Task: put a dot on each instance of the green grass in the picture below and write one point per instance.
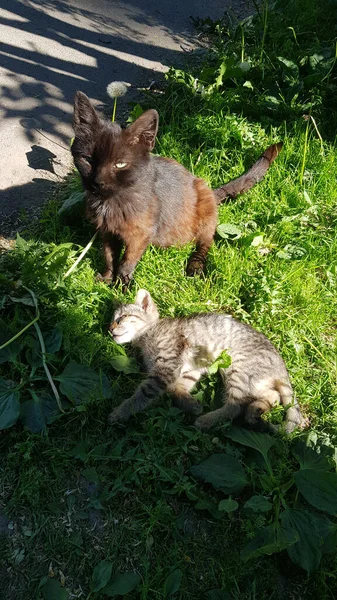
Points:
(82, 491)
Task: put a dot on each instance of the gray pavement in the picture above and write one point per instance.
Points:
(51, 48)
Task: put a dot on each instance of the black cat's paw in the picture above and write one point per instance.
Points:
(195, 266)
(106, 277)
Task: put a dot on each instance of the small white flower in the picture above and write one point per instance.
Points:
(115, 89)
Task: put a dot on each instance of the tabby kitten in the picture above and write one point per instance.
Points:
(136, 199)
(178, 351)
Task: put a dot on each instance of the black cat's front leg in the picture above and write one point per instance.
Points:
(143, 397)
(135, 248)
(112, 246)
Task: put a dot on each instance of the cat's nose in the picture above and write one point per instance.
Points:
(112, 326)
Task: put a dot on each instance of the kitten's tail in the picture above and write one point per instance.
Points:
(248, 180)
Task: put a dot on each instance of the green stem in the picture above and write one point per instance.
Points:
(15, 337)
(43, 350)
(114, 110)
(265, 23)
(83, 253)
(305, 149)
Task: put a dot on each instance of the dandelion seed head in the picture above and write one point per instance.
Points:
(115, 89)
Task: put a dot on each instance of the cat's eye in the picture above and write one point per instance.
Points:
(120, 165)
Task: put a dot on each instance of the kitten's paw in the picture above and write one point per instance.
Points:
(118, 416)
(291, 425)
(203, 423)
(195, 267)
(105, 277)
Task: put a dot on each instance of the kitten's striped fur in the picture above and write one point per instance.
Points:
(178, 351)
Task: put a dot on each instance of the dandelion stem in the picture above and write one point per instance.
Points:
(114, 110)
(83, 253)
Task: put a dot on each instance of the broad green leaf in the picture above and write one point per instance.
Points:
(319, 488)
(101, 575)
(36, 413)
(269, 540)
(310, 458)
(10, 352)
(223, 471)
(79, 383)
(327, 531)
(9, 404)
(228, 505)
(52, 590)
(121, 584)
(124, 364)
(306, 552)
(261, 442)
(258, 504)
(53, 340)
(226, 230)
(257, 240)
(74, 198)
(172, 583)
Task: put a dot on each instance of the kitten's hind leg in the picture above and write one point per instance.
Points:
(205, 224)
(294, 417)
(230, 411)
(181, 393)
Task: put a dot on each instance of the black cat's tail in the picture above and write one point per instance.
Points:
(248, 180)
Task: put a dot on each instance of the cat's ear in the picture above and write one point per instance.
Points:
(144, 129)
(144, 300)
(84, 113)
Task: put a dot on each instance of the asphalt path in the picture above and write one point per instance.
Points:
(51, 48)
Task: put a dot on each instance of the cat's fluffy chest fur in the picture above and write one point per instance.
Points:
(163, 220)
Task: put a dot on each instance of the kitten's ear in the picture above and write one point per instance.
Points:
(144, 129)
(144, 300)
(84, 113)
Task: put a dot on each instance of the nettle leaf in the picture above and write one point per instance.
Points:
(306, 552)
(79, 451)
(9, 404)
(226, 230)
(21, 244)
(124, 364)
(91, 475)
(229, 505)
(222, 362)
(36, 413)
(319, 488)
(261, 442)
(79, 383)
(269, 540)
(258, 504)
(52, 590)
(223, 471)
(74, 198)
(172, 583)
(310, 458)
(289, 64)
(121, 584)
(27, 300)
(101, 575)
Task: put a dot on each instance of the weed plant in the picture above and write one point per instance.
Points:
(91, 511)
